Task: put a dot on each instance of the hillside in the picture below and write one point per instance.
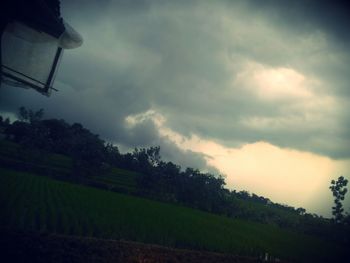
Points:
(238, 205)
(37, 203)
(61, 179)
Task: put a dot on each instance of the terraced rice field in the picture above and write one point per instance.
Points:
(38, 203)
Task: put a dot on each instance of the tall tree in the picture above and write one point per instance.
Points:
(30, 115)
(339, 190)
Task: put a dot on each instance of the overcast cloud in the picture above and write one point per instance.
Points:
(229, 72)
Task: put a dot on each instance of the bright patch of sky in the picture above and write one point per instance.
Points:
(293, 177)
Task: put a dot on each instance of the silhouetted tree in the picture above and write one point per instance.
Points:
(339, 190)
(301, 211)
(112, 155)
(4, 124)
(243, 195)
(30, 115)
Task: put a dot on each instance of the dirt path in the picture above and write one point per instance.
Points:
(25, 247)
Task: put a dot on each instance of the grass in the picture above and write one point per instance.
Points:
(119, 178)
(38, 203)
(15, 155)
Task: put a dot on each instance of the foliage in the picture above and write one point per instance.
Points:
(4, 122)
(339, 190)
(42, 136)
(30, 115)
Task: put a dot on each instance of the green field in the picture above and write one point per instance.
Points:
(38, 203)
(121, 179)
(14, 155)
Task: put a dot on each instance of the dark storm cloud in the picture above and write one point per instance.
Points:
(330, 15)
(185, 60)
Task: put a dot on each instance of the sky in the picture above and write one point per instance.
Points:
(257, 91)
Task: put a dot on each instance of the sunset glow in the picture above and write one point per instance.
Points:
(288, 176)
